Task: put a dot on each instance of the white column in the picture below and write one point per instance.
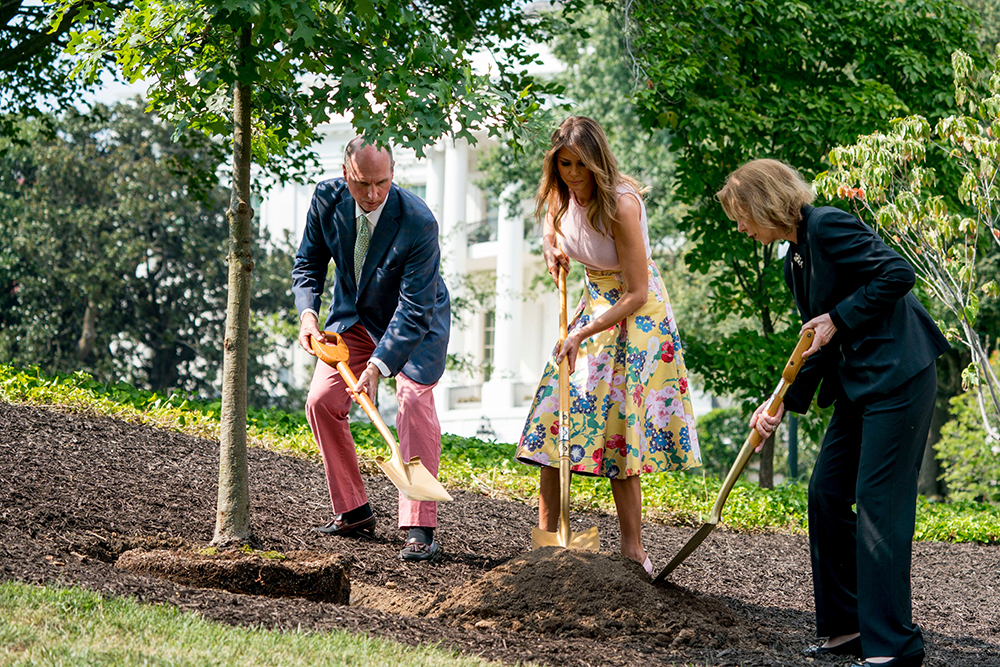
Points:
(435, 180)
(499, 391)
(456, 179)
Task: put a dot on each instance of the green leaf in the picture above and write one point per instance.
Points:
(972, 309)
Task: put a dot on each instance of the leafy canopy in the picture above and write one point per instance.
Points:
(34, 74)
(404, 71)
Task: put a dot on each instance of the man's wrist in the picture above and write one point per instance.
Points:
(380, 365)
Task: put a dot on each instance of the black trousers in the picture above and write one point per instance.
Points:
(870, 457)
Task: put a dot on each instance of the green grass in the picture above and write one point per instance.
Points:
(475, 465)
(62, 627)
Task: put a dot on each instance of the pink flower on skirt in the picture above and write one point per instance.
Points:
(637, 395)
(618, 388)
(541, 457)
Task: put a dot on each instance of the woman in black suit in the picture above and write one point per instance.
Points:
(874, 351)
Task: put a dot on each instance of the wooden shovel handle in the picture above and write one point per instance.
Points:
(564, 462)
(795, 362)
(788, 375)
(563, 309)
(337, 360)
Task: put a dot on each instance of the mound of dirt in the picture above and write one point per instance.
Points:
(314, 576)
(602, 596)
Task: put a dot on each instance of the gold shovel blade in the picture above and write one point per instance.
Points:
(412, 479)
(691, 545)
(588, 540)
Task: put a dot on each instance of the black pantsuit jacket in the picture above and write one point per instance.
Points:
(884, 336)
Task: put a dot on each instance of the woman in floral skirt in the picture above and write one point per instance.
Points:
(630, 404)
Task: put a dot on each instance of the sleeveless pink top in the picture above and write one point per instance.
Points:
(589, 247)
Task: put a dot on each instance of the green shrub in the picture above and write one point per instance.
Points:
(969, 461)
(721, 433)
(964, 521)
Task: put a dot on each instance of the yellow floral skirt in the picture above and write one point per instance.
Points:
(630, 406)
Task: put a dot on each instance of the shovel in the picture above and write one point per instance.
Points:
(412, 479)
(588, 539)
(787, 378)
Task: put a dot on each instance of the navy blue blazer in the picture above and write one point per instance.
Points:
(401, 298)
(884, 336)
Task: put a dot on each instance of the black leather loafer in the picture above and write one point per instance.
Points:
(343, 528)
(416, 551)
(851, 647)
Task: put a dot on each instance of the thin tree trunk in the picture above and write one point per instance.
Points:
(766, 477)
(85, 345)
(232, 523)
(766, 480)
(988, 380)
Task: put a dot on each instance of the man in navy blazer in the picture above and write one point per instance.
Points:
(392, 308)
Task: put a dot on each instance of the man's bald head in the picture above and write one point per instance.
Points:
(368, 172)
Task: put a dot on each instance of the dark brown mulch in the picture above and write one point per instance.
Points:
(76, 491)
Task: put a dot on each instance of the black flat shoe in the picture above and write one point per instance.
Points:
(915, 660)
(343, 528)
(852, 647)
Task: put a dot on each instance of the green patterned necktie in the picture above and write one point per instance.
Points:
(360, 247)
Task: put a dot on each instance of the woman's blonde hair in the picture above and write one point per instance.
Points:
(584, 137)
(769, 192)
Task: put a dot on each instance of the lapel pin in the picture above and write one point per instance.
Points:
(797, 258)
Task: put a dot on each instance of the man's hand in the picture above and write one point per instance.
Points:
(367, 383)
(824, 328)
(309, 327)
(765, 423)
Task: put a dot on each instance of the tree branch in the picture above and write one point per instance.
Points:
(42, 40)
(8, 10)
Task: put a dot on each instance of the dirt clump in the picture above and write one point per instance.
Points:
(314, 576)
(602, 596)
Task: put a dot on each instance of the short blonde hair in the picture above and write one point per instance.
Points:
(769, 192)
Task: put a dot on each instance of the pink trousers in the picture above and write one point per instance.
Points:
(417, 424)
